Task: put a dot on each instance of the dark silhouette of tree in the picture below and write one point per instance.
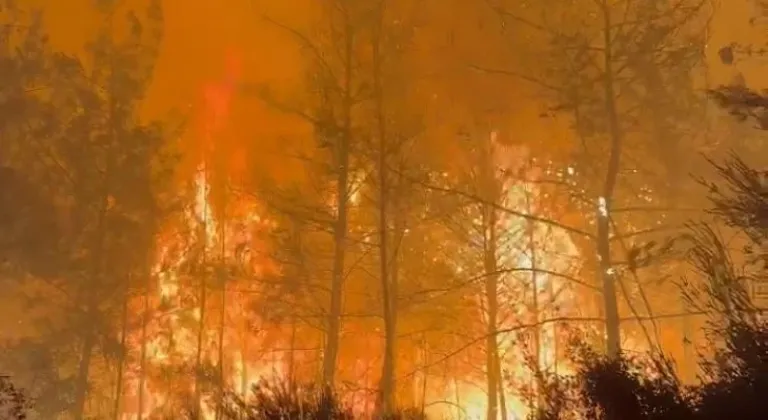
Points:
(28, 227)
(743, 103)
(79, 197)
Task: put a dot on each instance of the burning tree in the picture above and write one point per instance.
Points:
(621, 72)
(734, 376)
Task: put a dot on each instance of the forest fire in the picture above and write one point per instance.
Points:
(200, 317)
(197, 319)
(171, 335)
(530, 292)
(354, 200)
(173, 338)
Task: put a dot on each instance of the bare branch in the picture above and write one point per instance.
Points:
(512, 73)
(496, 206)
(307, 43)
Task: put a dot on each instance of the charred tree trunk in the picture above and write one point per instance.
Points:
(539, 380)
(223, 312)
(342, 156)
(199, 347)
(386, 388)
(689, 355)
(492, 309)
(121, 358)
(90, 331)
(222, 324)
(83, 370)
(244, 360)
(424, 376)
(202, 303)
(607, 273)
(292, 354)
(387, 385)
(143, 357)
(390, 349)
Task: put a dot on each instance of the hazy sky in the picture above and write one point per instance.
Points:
(199, 34)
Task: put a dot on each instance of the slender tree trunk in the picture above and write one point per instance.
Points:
(387, 386)
(334, 324)
(244, 361)
(535, 307)
(143, 360)
(689, 361)
(502, 394)
(92, 313)
(386, 397)
(292, 354)
(424, 376)
(492, 308)
(202, 303)
(199, 348)
(121, 360)
(222, 313)
(607, 274)
(222, 324)
(83, 371)
(457, 395)
(390, 344)
(555, 344)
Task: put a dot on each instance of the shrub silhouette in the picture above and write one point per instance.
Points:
(282, 400)
(734, 383)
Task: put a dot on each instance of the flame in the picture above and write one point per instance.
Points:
(554, 252)
(199, 239)
(231, 235)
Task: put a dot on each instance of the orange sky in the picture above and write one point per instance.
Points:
(198, 32)
(198, 35)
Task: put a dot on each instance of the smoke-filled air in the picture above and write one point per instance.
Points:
(383, 209)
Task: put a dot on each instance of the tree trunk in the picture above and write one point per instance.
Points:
(203, 297)
(222, 324)
(502, 394)
(90, 300)
(333, 334)
(689, 355)
(199, 352)
(121, 359)
(386, 389)
(539, 397)
(424, 376)
(331, 350)
(387, 385)
(292, 354)
(492, 308)
(389, 368)
(244, 361)
(607, 274)
(143, 361)
(83, 371)
(222, 313)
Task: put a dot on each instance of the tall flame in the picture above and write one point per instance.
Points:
(230, 237)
